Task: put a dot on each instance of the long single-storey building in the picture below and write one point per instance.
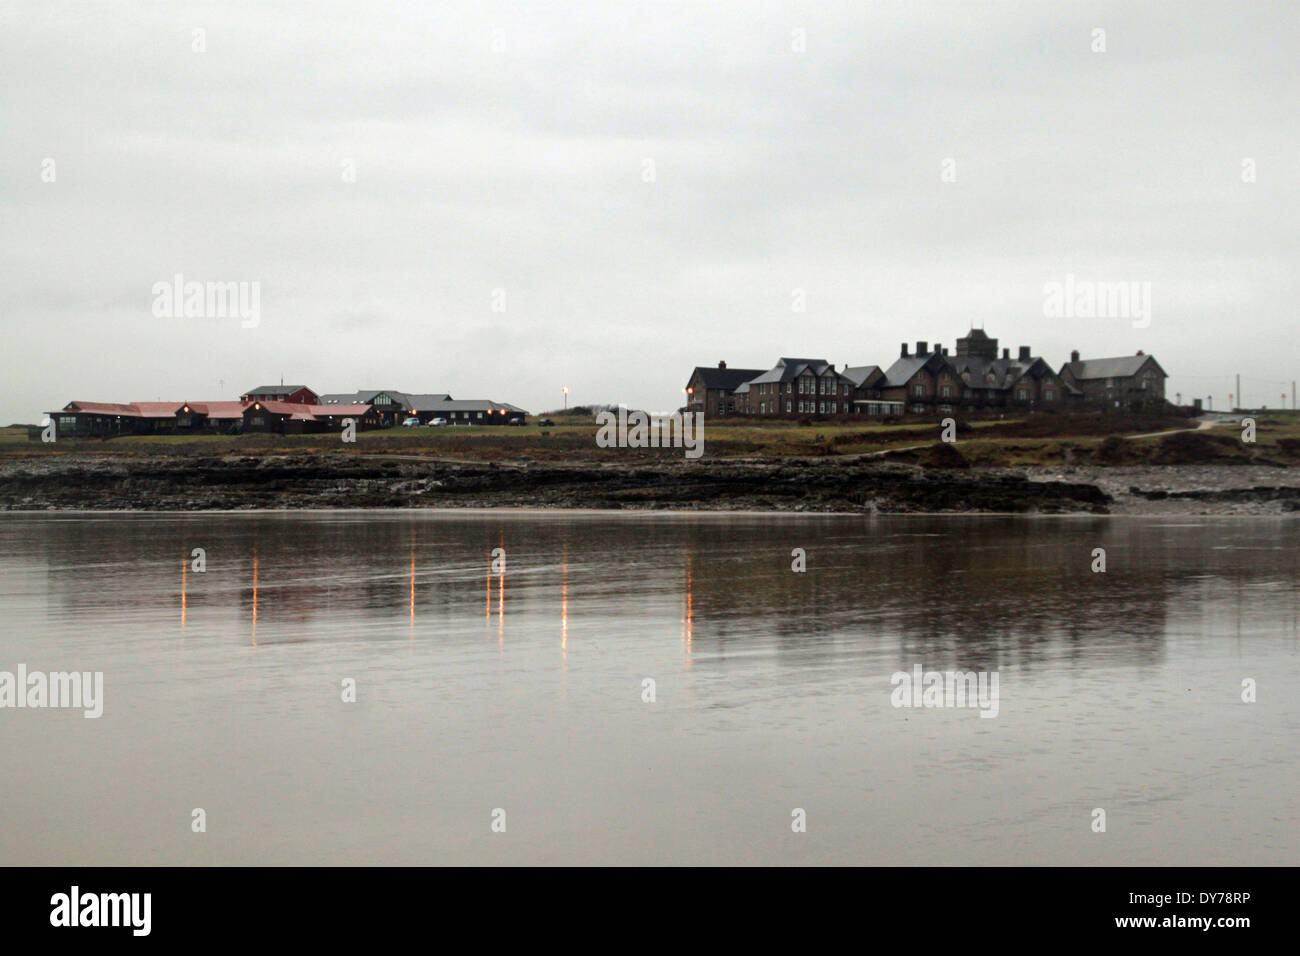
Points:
(284, 409)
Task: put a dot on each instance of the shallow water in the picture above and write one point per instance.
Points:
(521, 689)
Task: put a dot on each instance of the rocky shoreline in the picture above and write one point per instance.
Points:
(354, 481)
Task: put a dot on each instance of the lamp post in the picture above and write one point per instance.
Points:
(565, 390)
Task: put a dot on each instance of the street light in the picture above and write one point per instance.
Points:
(565, 389)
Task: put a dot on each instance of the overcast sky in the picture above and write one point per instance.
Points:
(504, 146)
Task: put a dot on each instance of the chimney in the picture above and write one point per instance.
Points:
(1074, 356)
(1139, 351)
(903, 354)
(1024, 353)
(920, 348)
(722, 365)
(1006, 353)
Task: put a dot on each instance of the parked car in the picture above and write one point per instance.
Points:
(437, 421)
(514, 421)
(546, 423)
(410, 422)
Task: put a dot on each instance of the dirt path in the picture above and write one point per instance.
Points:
(1203, 424)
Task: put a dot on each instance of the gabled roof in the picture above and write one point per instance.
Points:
(1121, 367)
(158, 409)
(425, 402)
(276, 390)
(730, 378)
(788, 369)
(276, 407)
(974, 371)
(367, 396)
(904, 369)
(363, 397)
(217, 409)
(102, 408)
(296, 411)
(861, 373)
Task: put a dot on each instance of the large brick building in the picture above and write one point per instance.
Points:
(712, 390)
(979, 379)
(1128, 382)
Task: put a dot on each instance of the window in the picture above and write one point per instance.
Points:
(918, 389)
(1049, 395)
(821, 407)
(945, 391)
(833, 408)
(787, 405)
(1022, 394)
(478, 414)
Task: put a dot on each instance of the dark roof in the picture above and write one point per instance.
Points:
(974, 370)
(788, 369)
(469, 405)
(426, 401)
(366, 396)
(860, 373)
(1122, 367)
(729, 378)
(901, 372)
(275, 389)
(342, 398)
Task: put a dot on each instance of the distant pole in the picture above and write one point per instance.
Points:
(1210, 402)
(1293, 395)
(1240, 403)
(566, 398)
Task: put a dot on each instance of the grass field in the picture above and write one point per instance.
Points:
(1037, 440)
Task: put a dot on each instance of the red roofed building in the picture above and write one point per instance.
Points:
(294, 418)
(103, 419)
(225, 417)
